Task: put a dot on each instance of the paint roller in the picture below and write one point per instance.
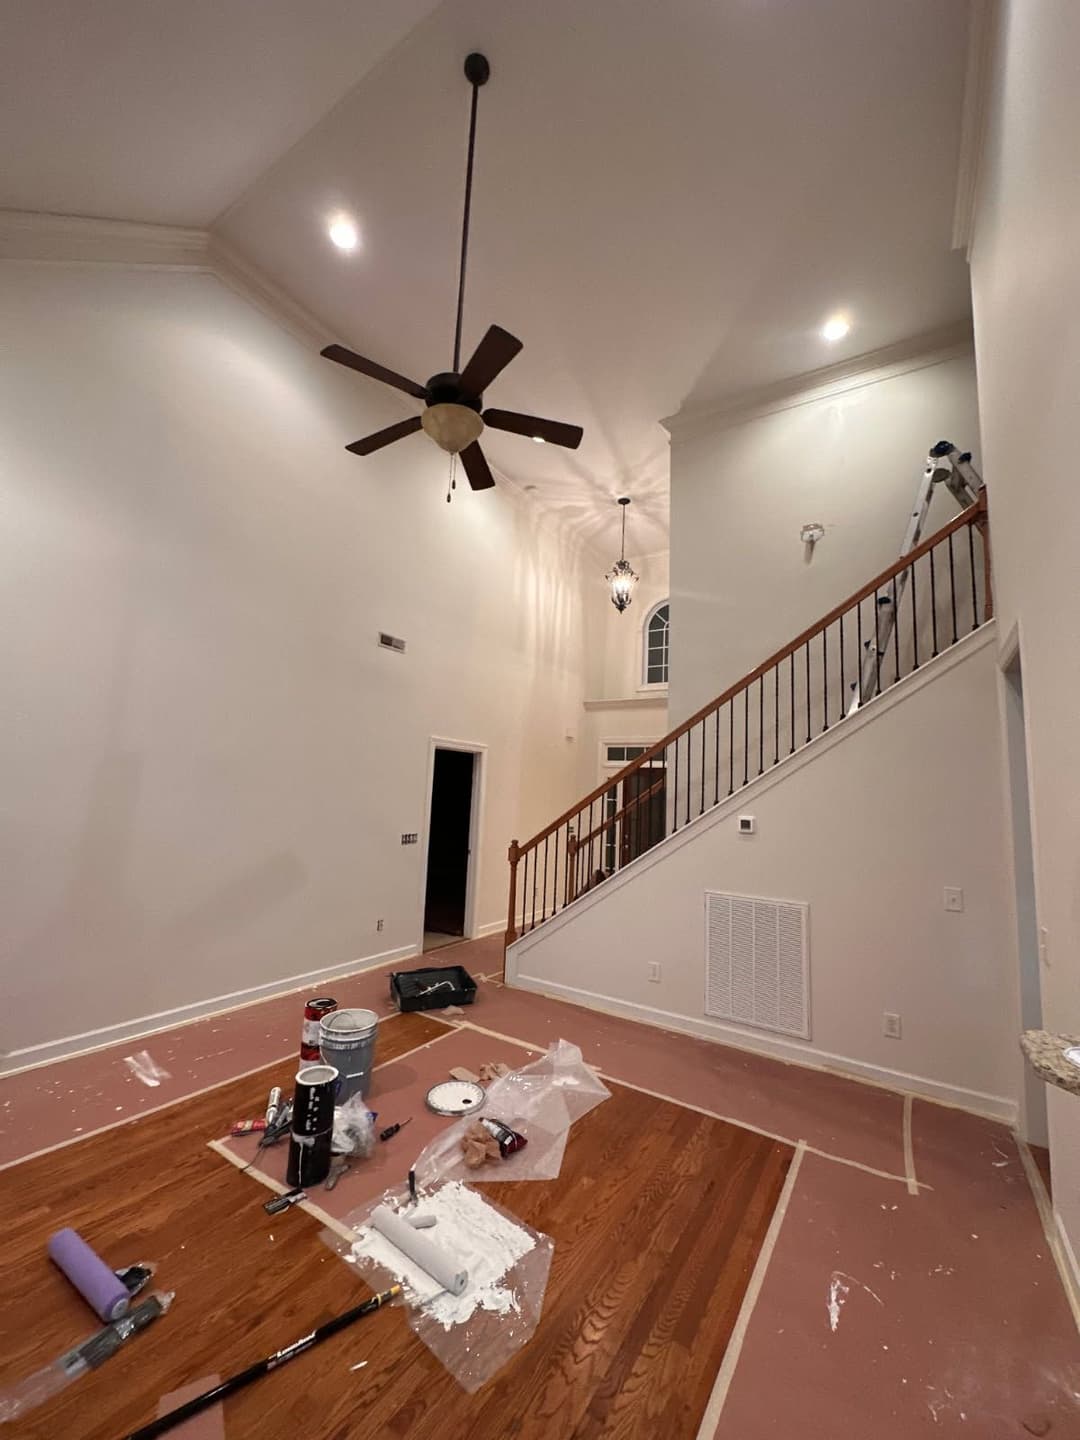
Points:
(107, 1292)
(419, 1249)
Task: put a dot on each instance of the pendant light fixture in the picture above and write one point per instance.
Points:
(621, 576)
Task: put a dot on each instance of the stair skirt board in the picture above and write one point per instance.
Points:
(993, 1107)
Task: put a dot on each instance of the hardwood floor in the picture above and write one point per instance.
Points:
(657, 1218)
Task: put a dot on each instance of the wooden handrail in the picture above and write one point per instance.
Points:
(972, 515)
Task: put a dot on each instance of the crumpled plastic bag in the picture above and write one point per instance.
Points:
(354, 1129)
(541, 1101)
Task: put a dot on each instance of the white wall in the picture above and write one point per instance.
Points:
(1026, 289)
(742, 584)
(207, 763)
(868, 826)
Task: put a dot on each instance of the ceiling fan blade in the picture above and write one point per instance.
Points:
(371, 443)
(490, 358)
(375, 372)
(553, 431)
(476, 467)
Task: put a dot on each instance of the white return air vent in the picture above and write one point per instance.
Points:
(391, 642)
(757, 963)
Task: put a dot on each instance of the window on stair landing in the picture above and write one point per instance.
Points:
(657, 628)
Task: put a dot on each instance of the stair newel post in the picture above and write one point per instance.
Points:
(513, 855)
(984, 530)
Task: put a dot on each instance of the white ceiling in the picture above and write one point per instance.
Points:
(166, 110)
(670, 198)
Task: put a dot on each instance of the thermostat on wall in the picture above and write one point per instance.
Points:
(747, 824)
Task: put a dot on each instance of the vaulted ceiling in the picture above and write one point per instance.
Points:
(670, 198)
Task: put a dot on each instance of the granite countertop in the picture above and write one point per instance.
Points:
(1045, 1053)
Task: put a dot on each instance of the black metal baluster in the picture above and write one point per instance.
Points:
(877, 641)
(776, 714)
(689, 770)
(825, 674)
(914, 618)
(808, 730)
(532, 923)
(746, 736)
(896, 627)
(974, 595)
(524, 891)
(675, 791)
(952, 588)
(858, 646)
(792, 750)
(716, 770)
(843, 687)
(761, 727)
(731, 747)
(543, 903)
(933, 604)
(702, 810)
(555, 876)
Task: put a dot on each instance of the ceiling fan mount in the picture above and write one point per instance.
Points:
(454, 416)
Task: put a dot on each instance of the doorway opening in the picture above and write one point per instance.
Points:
(1034, 1126)
(449, 846)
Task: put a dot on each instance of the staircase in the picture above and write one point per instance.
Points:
(939, 593)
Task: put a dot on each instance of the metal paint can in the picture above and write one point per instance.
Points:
(347, 1041)
(314, 1010)
(312, 1125)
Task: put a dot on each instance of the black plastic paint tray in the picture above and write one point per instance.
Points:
(432, 989)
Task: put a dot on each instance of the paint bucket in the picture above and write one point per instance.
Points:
(312, 1125)
(347, 1041)
(314, 1010)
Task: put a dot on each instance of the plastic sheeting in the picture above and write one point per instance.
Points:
(540, 1101)
(475, 1334)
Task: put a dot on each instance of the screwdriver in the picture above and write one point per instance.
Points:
(391, 1130)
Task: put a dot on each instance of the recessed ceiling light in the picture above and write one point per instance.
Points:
(343, 233)
(835, 328)
(538, 440)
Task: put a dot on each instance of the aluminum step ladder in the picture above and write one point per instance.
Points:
(945, 465)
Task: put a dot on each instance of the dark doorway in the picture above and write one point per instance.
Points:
(644, 792)
(448, 847)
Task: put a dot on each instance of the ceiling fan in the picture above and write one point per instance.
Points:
(454, 416)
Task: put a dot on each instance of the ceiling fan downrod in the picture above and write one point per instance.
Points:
(477, 72)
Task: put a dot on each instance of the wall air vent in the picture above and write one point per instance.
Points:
(757, 962)
(391, 642)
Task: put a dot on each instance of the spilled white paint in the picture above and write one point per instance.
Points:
(145, 1068)
(840, 1285)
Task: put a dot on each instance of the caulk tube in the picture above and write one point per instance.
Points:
(312, 1125)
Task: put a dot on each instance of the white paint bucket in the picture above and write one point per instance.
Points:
(347, 1041)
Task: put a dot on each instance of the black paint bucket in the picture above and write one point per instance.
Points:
(312, 1125)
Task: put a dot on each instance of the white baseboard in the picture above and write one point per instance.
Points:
(493, 927)
(996, 1107)
(1070, 1270)
(63, 1049)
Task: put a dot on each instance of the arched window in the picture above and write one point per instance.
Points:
(655, 666)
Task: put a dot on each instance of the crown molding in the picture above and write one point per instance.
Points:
(871, 368)
(983, 24)
(84, 240)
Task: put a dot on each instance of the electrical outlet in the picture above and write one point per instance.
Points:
(379, 924)
(890, 1026)
(954, 898)
(654, 971)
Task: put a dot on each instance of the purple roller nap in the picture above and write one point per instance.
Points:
(93, 1279)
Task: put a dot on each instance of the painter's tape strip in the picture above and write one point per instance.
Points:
(909, 1149)
(714, 1409)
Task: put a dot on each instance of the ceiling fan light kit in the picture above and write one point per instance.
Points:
(454, 415)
